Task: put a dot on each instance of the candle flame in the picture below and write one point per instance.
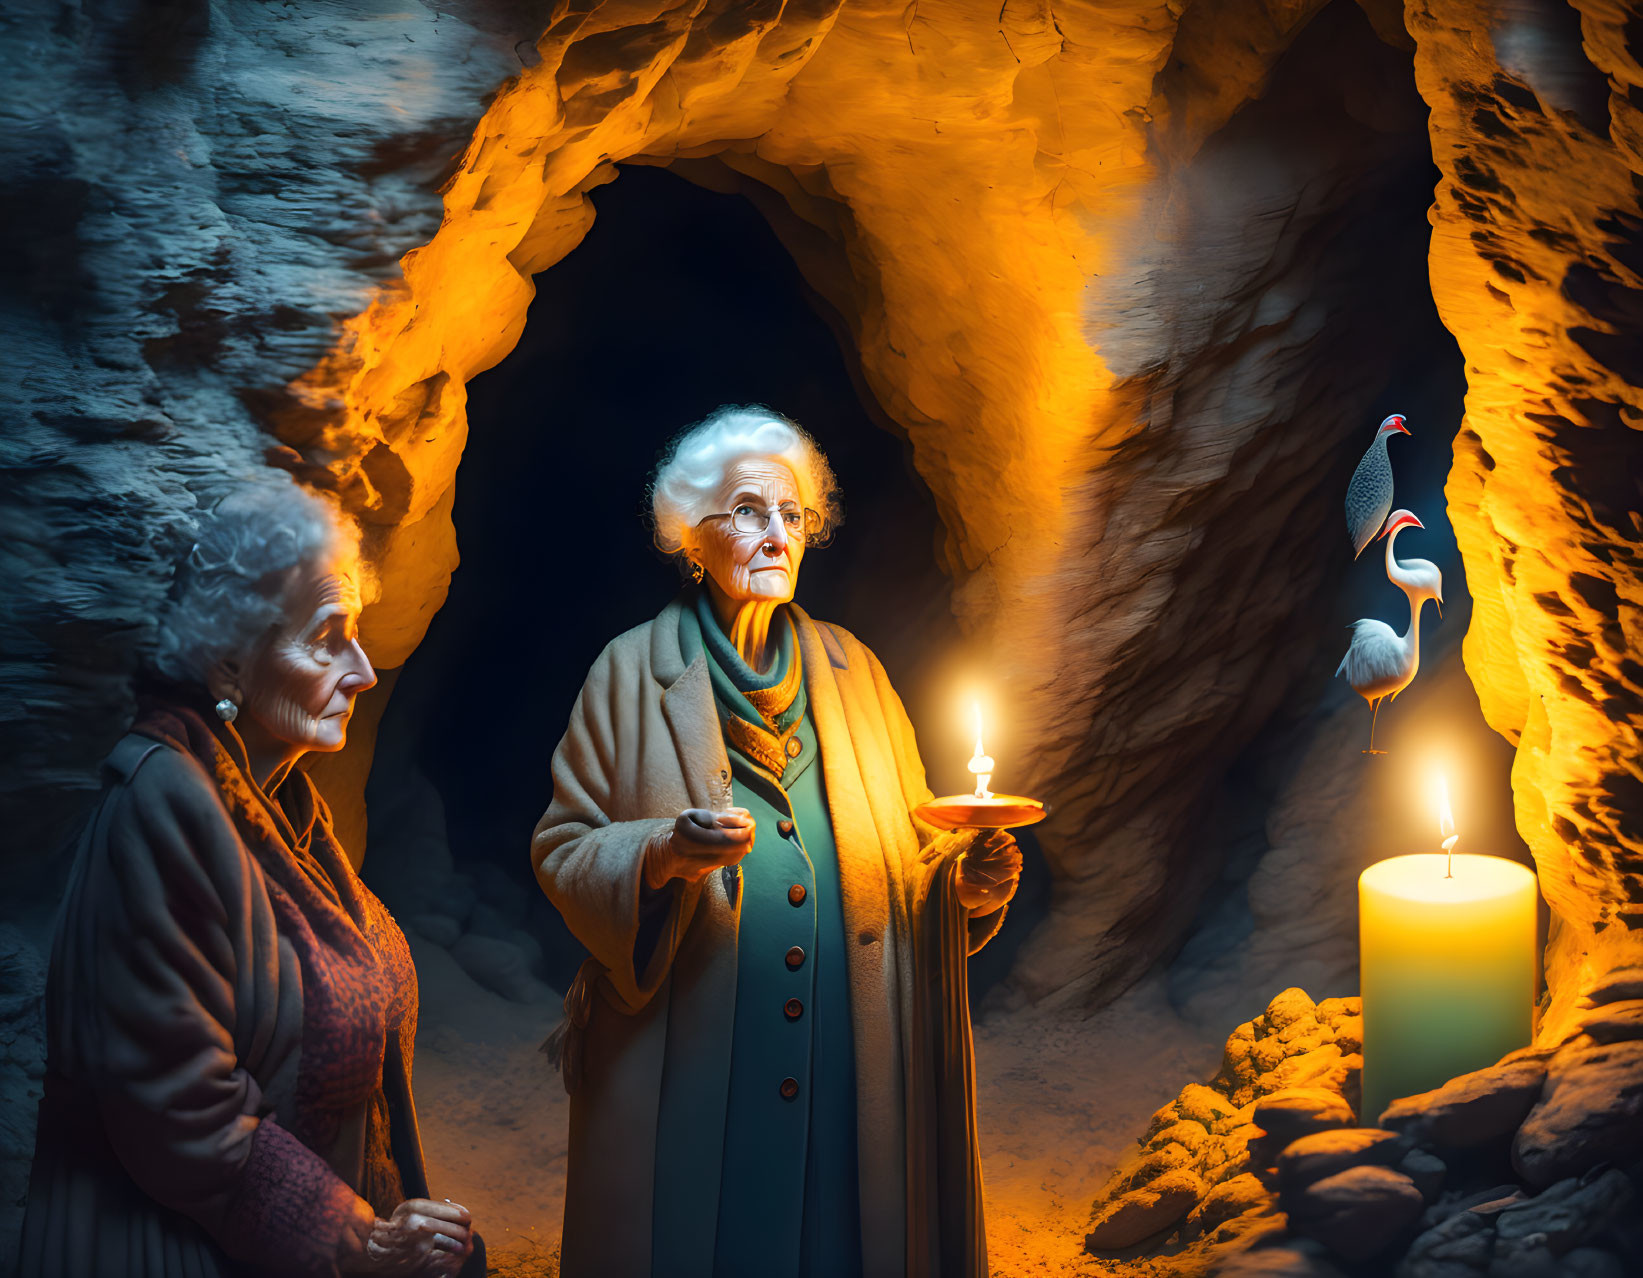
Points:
(1446, 824)
(1446, 817)
(981, 767)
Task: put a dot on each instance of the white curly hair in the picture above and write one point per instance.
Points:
(692, 471)
(230, 587)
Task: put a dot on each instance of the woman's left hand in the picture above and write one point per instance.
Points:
(988, 873)
(421, 1238)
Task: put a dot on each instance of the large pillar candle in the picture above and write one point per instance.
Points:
(1447, 966)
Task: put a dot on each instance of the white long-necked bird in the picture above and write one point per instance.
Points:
(1380, 663)
(1369, 495)
(1412, 576)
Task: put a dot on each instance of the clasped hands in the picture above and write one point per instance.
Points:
(422, 1239)
(702, 841)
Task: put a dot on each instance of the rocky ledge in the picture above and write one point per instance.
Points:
(494, 923)
(1530, 1168)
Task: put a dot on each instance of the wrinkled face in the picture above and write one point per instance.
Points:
(760, 566)
(301, 684)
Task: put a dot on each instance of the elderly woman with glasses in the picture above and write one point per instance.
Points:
(768, 1051)
(230, 1012)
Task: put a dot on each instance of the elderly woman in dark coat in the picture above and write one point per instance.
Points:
(230, 1011)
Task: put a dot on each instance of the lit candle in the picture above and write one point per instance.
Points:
(981, 809)
(1447, 966)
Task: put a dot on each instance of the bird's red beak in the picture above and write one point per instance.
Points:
(1395, 422)
(1399, 519)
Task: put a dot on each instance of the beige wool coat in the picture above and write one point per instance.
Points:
(643, 744)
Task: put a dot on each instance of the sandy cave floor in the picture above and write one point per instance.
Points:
(493, 1113)
(1060, 1103)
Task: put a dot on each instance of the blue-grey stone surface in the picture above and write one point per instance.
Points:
(195, 195)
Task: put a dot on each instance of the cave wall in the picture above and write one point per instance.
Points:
(1537, 252)
(1254, 318)
(195, 197)
(1107, 310)
(1119, 271)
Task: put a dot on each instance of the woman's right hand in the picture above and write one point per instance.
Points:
(422, 1239)
(700, 842)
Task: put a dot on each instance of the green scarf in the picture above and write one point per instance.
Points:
(760, 713)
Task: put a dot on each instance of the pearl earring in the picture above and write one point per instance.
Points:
(227, 711)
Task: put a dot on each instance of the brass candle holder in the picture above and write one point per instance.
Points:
(981, 810)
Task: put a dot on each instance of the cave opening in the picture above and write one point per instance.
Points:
(678, 300)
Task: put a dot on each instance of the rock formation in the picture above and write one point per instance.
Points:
(491, 925)
(1537, 251)
(22, 1071)
(197, 197)
(1195, 1189)
(1517, 1168)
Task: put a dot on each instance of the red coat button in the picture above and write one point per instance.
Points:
(796, 894)
(784, 828)
(793, 1008)
(795, 956)
(790, 1088)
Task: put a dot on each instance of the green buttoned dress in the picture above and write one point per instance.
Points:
(787, 1198)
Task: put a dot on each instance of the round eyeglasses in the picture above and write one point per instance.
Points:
(749, 519)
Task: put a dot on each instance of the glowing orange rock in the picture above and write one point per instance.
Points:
(1535, 271)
